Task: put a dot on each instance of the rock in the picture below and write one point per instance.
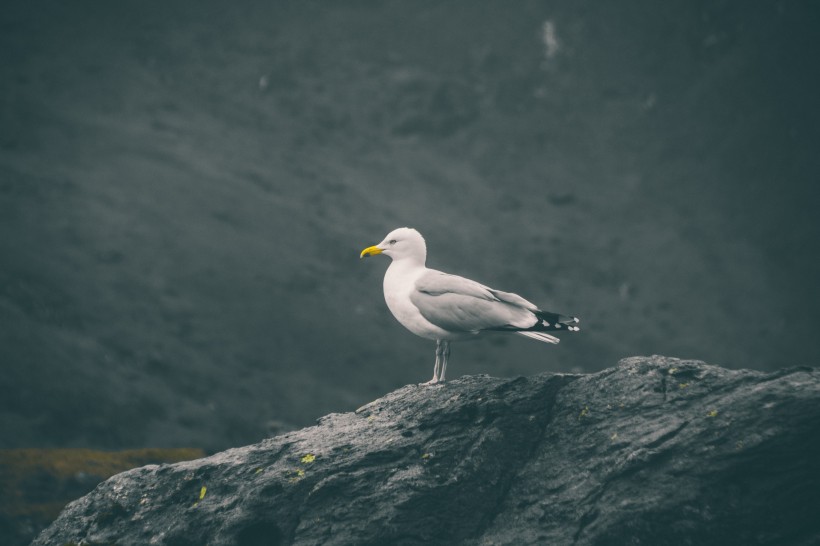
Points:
(653, 451)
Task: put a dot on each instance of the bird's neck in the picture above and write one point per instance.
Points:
(401, 276)
(409, 262)
(404, 268)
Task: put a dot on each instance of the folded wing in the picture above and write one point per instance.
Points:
(457, 304)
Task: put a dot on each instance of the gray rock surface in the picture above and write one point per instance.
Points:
(653, 451)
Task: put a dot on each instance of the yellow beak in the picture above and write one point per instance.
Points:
(370, 251)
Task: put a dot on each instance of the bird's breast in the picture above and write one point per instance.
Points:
(399, 283)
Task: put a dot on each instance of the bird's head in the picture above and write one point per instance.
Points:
(399, 244)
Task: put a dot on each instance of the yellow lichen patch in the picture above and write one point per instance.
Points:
(683, 385)
(426, 456)
(202, 492)
(309, 458)
(712, 413)
(584, 412)
(672, 371)
(298, 474)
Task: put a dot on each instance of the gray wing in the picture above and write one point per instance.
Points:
(457, 304)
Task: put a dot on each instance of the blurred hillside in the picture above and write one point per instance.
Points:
(37, 483)
(185, 188)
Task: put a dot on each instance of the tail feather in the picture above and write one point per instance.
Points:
(545, 322)
(539, 336)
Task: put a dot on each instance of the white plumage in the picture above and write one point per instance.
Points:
(445, 307)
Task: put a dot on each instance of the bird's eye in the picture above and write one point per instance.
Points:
(392, 241)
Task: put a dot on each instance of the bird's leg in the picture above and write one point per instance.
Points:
(445, 354)
(439, 350)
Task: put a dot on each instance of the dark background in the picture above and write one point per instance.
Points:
(185, 188)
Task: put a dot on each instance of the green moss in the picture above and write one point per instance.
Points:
(62, 475)
(64, 463)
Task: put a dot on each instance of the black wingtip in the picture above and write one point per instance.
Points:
(554, 322)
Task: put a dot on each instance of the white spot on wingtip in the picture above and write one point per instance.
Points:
(545, 323)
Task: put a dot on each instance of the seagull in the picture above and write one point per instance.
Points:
(444, 307)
